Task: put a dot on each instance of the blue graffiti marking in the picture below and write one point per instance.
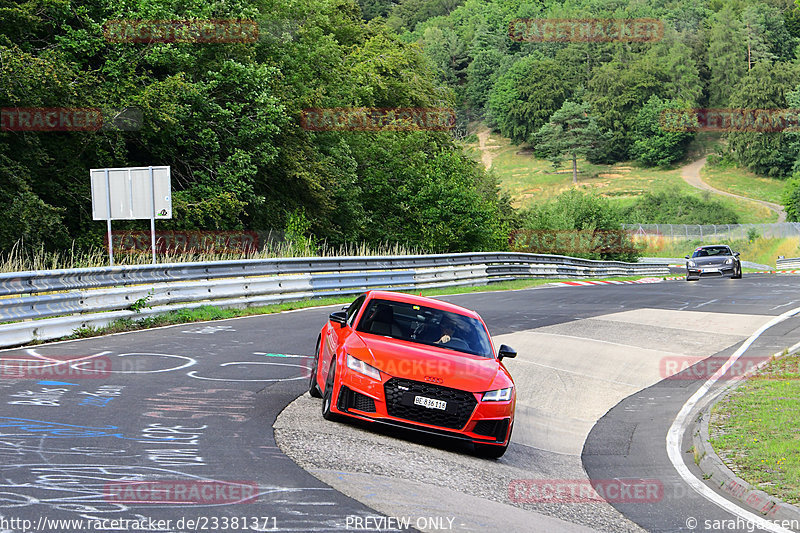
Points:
(95, 402)
(41, 429)
(55, 383)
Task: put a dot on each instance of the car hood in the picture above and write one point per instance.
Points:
(431, 364)
(710, 261)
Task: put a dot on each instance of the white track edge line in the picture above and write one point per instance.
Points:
(676, 431)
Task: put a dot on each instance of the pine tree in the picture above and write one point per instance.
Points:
(571, 131)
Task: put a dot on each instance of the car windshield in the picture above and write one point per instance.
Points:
(426, 325)
(711, 251)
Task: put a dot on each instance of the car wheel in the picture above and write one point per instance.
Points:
(738, 274)
(327, 397)
(313, 388)
(691, 279)
(493, 451)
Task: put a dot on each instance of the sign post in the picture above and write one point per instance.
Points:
(131, 194)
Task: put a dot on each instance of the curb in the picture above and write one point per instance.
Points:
(603, 282)
(720, 476)
(776, 272)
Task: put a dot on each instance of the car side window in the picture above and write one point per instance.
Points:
(352, 311)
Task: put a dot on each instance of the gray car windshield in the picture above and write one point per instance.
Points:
(426, 325)
(712, 251)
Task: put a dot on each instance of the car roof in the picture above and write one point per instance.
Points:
(421, 300)
(713, 246)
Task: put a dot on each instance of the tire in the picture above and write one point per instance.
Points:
(313, 388)
(327, 396)
(738, 273)
(691, 279)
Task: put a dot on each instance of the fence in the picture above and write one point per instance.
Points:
(52, 304)
(714, 232)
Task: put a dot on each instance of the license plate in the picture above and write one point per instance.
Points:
(710, 270)
(430, 403)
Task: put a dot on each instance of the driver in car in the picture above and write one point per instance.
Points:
(448, 328)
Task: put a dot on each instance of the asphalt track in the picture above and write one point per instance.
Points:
(195, 404)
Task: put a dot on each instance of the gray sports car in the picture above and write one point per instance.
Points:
(713, 261)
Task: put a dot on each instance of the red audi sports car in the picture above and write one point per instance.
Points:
(417, 363)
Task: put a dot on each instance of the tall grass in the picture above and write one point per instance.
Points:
(22, 258)
(763, 250)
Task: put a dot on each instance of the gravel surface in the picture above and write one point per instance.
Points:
(354, 447)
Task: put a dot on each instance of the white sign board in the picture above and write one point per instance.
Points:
(131, 193)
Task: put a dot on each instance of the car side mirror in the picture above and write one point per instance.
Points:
(736, 254)
(339, 317)
(506, 351)
(686, 257)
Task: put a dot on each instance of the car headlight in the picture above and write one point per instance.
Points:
(499, 395)
(692, 263)
(729, 261)
(363, 368)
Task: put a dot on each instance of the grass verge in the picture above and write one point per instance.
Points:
(756, 429)
(739, 181)
(210, 312)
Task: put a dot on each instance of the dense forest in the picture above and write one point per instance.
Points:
(711, 54)
(227, 116)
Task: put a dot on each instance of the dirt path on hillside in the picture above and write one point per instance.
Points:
(691, 175)
(486, 154)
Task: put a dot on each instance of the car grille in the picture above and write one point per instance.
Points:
(350, 399)
(400, 395)
(492, 428)
(363, 403)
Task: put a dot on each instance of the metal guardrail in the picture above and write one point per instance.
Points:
(52, 304)
(791, 263)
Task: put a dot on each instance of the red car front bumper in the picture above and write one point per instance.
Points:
(392, 401)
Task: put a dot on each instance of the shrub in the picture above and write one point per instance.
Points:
(676, 207)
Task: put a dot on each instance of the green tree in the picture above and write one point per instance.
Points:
(754, 25)
(727, 55)
(481, 76)
(447, 52)
(791, 198)
(525, 96)
(616, 92)
(571, 131)
(371, 9)
(765, 152)
(657, 143)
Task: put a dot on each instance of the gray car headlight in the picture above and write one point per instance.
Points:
(363, 368)
(692, 264)
(729, 261)
(499, 395)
